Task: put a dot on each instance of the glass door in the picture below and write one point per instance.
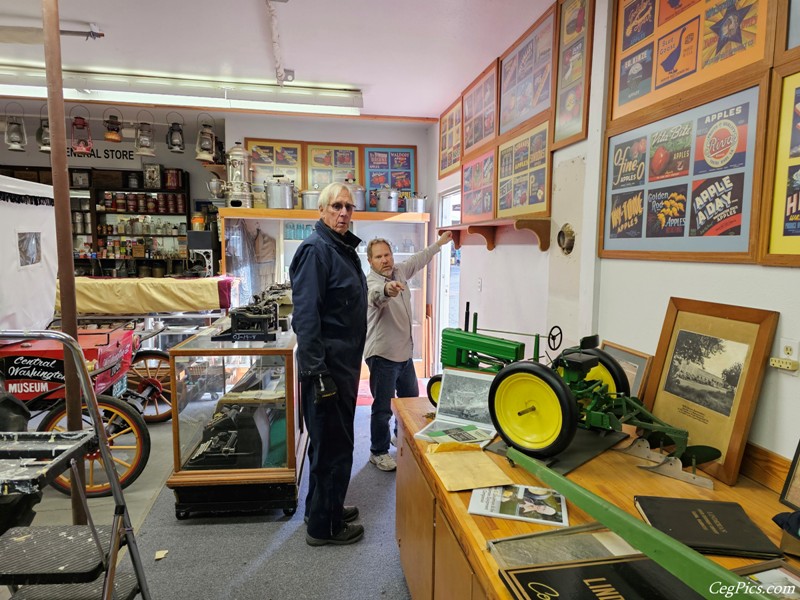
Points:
(449, 273)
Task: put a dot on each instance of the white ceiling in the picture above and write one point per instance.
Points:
(409, 57)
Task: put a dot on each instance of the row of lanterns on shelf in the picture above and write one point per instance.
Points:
(114, 130)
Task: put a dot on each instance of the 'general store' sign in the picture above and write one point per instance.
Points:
(106, 155)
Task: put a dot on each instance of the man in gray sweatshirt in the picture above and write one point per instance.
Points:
(389, 347)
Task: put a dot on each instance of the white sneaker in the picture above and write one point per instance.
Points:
(384, 462)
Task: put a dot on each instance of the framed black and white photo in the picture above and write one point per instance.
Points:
(635, 364)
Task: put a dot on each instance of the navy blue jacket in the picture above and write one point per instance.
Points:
(329, 293)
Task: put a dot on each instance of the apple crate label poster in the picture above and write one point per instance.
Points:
(670, 8)
(572, 61)
(794, 143)
(638, 22)
(666, 212)
(721, 141)
(716, 208)
(626, 215)
(791, 215)
(669, 152)
(636, 75)
(629, 163)
(676, 53)
(730, 26)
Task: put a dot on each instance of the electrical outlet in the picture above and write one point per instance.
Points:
(480, 284)
(790, 349)
(785, 364)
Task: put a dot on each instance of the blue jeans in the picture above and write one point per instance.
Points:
(386, 376)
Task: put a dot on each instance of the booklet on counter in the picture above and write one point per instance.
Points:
(523, 503)
(462, 414)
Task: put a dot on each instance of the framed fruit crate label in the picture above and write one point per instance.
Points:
(270, 158)
(395, 166)
(329, 163)
(450, 139)
(477, 188)
(479, 107)
(523, 176)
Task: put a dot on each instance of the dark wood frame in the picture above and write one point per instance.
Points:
(792, 483)
(726, 469)
(772, 202)
(515, 130)
(493, 68)
(74, 174)
(588, 36)
(723, 89)
(455, 108)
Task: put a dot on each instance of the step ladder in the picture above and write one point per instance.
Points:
(74, 562)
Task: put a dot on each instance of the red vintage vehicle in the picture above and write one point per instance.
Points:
(33, 371)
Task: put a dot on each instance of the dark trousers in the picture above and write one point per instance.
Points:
(330, 454)
(386, 376)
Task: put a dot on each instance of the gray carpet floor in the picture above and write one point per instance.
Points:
(264, 556)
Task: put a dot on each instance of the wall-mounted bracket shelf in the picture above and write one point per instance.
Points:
(488, 230)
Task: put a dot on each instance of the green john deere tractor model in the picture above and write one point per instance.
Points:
(538, 408)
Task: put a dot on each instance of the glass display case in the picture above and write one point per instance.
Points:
(259, 244)
(238, 437)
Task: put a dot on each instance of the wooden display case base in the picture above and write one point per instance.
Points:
(248, 498)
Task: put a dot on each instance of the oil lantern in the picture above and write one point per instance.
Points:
(175, 141)
(206, 141)
(43, 135)
(113, 132)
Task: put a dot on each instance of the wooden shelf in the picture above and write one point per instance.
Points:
(220, 171)
(488, 230)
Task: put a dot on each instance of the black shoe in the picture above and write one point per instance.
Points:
(349, 534)
(349, 514)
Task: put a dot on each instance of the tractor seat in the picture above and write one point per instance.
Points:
(580, 362)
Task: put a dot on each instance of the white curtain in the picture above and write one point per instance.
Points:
(28, 261)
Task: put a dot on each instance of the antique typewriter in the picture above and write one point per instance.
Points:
(258, 321)
(231, 439)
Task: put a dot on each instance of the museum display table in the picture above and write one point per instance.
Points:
(443, 548)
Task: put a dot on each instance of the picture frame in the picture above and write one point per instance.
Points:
(790, 494)
(478, 187)
(523, 174)
(787, 36)
(706, 375)
(776, 573)
(395, 166)
(479, 111)
(664, 50)
(527, 75)
(635, 364)
(687, 185)
(152, 176)
(332, 163)
(576, 28)
(270, 158)
(780, 227)
(80, 179)
(450, 139)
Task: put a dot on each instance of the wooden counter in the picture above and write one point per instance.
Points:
(443, 548)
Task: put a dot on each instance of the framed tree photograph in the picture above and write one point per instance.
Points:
(780, 233)
(332, 163)
(479, 108)
(574, 71)
(635, 364)
(526, 74)
(707, 373)
(450, 139)
(790, 495)
(523, 175)
(270, 158)
(776, 574)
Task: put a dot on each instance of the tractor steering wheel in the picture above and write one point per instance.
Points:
(554, 338)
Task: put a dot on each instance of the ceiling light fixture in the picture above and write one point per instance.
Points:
(189, 93)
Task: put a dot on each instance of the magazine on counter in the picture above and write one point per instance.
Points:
(520, 502)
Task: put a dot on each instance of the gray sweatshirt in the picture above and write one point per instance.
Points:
(389, 319)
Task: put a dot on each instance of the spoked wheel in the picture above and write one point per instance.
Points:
(128, 439)
(532, 409)
(434, 389)
(149, 377)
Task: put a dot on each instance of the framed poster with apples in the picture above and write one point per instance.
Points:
(684, 187)
(330, 163)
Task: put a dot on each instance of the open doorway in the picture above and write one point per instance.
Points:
(449, 273)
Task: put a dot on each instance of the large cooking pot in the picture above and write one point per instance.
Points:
(311, 199)
(388, 199)
(358, 194)
(416, 204)
(280, 194)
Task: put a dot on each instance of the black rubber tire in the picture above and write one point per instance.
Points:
(433, 388)
(150, 370)
(122, 423)
(524, 431)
